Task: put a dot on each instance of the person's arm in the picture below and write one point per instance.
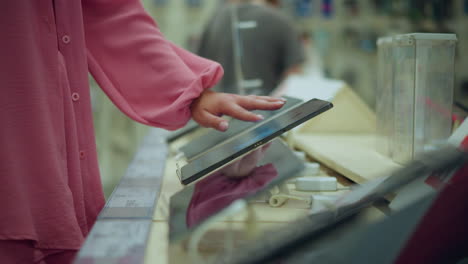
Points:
(150, 79)
(292, 49)
(292, 53)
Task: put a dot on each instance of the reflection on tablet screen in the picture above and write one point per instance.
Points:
(196, 203)
(217, 191)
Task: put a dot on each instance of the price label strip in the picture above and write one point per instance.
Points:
(121, 232)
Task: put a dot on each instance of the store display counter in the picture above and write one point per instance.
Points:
(159, 249)
(134, 225)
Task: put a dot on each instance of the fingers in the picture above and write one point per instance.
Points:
(238, 112)
(238, 108)
(259, 102)
(208, 119)
(210, 105)
(268, 98)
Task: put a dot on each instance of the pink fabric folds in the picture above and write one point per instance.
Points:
(50, 186)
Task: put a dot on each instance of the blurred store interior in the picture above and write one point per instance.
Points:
(340, 41)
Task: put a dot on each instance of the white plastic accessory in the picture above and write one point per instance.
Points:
(316, 184)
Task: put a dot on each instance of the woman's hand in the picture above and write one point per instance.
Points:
(210, 106)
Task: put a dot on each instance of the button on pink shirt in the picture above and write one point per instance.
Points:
(50, 189)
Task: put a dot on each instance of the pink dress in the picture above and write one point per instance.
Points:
(50, 190)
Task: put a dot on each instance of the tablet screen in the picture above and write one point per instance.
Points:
(251, 139)
(213, 137)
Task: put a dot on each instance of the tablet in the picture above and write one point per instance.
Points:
(249, 140)
(213, 138)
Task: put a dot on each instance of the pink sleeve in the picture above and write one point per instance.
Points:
(150, 79)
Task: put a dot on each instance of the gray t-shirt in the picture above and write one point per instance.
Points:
(267, 50)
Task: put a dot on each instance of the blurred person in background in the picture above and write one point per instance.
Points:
(50, 187)
(257, 56)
